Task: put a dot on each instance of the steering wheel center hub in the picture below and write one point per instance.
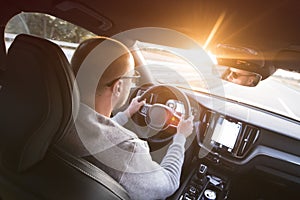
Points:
(157, 117)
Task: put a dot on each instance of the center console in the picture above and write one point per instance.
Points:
(203, 185)
(223, 142)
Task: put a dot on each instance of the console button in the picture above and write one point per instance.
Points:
(202, 169)
(192, 190)
(187, 196)
(216, 160)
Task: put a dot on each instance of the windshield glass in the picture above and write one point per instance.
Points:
(277, 93)
(169, 68)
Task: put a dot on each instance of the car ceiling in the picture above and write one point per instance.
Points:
(266, 25)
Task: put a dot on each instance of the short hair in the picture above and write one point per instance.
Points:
(82, 51)
(111, 71)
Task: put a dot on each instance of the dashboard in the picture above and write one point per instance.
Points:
(234, 138)
(238, 143)
(242, 139)
(235, 131)
(246, 129)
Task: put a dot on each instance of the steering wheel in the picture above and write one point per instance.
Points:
(162, 117)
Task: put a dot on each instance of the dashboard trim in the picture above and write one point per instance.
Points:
(269, 152)
(249, 115)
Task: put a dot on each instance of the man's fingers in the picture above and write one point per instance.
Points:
(142, 102)
(191, 118)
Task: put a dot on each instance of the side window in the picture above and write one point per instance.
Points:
(63, 33)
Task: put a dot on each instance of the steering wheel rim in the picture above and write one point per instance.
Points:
(180, 96)
(177, 92)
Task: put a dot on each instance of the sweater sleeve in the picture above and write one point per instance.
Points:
(120, 118)
(173, 160)
(154, 181)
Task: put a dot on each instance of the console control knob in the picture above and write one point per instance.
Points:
(209, 195)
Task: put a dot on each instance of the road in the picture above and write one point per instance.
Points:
(269, 94)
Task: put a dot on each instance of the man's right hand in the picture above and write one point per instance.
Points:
(185, 126)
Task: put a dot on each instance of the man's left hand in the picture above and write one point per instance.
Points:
(134, 106)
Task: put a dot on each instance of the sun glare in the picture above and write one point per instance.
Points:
(214, 30)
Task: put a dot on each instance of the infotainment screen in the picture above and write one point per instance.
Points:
(226, 132)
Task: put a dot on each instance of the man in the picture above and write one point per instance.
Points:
(105, 143)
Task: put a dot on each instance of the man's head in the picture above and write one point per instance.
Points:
(241, 77)
(103, 68)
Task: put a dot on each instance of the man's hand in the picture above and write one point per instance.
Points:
(185, 127)
(134, 106)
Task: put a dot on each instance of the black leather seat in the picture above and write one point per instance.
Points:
(36, 104)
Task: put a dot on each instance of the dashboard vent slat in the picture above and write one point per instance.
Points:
(249, 137)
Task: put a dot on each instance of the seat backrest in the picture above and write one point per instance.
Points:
(37, 100)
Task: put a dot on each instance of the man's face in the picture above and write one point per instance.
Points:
(240, 77)
(126, 83)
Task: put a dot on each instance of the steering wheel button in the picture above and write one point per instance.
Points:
(144, 110)
(171, 105)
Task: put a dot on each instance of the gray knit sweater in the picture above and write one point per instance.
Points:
(125, 157)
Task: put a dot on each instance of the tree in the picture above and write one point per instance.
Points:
(47, 26)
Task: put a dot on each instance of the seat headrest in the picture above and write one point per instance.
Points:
(36, 101)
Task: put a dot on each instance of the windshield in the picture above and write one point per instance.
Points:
(277, 94)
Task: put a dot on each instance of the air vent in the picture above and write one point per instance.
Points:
(249, 137)
(207, 119)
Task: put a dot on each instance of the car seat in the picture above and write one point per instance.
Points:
(37, 100)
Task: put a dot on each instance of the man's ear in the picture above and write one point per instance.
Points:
(117, 87)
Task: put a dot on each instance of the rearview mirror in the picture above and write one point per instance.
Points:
(241, 77)
(240, 65)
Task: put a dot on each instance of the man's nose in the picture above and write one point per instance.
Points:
(229, 76)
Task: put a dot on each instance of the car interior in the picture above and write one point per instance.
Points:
(246, 141)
